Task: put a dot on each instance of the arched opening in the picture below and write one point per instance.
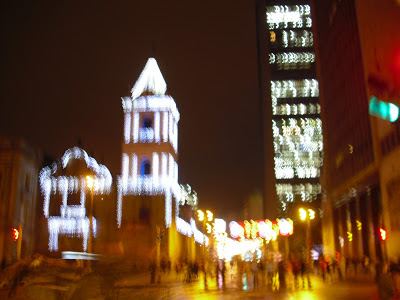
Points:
(145, 167)
(147, 122)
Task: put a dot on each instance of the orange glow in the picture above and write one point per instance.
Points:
(15, 233)
(383, 234)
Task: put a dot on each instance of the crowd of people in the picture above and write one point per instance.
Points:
(276, 273)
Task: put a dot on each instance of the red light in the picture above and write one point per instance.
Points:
(15, 233)
(395, 61)
(383, 234)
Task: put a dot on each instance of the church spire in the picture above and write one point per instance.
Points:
(150, 80)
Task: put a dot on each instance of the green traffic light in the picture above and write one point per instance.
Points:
(383, 110)
(393, 112)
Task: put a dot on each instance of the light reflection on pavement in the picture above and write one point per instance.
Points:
(320, 290)
(103, 284)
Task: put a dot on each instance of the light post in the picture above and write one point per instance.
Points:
(307, 215)
(204, 218)
(160, 233)
(90, 184)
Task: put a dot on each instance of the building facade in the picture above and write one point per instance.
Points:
(357, 42)
(294, 95)
(19, 170)
(149, 196)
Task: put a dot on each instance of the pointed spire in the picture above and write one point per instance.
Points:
(150, 80)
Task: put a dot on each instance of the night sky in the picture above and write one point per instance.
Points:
(66, 64)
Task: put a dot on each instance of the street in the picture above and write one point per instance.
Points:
(108, 283)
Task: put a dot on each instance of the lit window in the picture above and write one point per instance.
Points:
(272, 36)
(147, 122)
(145, 167)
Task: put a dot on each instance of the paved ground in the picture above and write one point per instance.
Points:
(106, 283)
(353, 290)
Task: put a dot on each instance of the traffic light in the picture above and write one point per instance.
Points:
(383, 234)
(383, 110)
(15, 234)
(395, 61)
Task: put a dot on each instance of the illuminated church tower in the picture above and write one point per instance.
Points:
(149, 179)
(149, 196)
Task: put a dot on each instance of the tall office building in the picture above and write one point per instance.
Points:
(358, 55)
(294, 94)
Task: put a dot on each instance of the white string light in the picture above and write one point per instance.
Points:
(73, 220)
(150, 80)
(163, 178)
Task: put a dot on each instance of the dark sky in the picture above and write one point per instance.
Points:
(66, 64)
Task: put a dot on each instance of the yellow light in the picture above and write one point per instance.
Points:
(89, 182)
(200, 215)
(303, 214)
(311, 213)
(350, 236)
(209, 215)
(350, 149)
(383, 234)
(272, 36)
(359, 225)
(254, 229)
(247, 228)
(208, 228)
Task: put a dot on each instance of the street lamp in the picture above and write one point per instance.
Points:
(90, 182)
(208, 216)
(307, 215)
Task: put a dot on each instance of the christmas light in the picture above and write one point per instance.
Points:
(236, 230)
(72, 219)
(157, 126)
(163, 178)
(73, 227)
(135, 127)
(127, 127)
(150, 80)
(188, 196)
(285, 227)
(219, 225)
(155, 117)
(158, 104)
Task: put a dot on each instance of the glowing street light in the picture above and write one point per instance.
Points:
(207, 228)
(210, 216)
(200, 215)
(307, 215)
(383, 234)
(90, 182)
(303, 214)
